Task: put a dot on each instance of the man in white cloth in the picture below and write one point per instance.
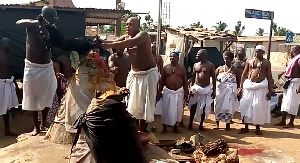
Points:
(39, 82)
(256, 90)
(142, 79)
(291, 98)
(8, 96)
(226, 102)
(202, 94)
(173, 90)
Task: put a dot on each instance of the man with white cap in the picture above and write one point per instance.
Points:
(291, 98)
(256, 89)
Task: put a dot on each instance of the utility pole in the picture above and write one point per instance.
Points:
(270, 35)
(158, 39)
(118, 22)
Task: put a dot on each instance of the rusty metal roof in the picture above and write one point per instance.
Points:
(205, 34)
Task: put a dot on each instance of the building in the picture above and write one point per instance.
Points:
(249, 43)
(72, 23)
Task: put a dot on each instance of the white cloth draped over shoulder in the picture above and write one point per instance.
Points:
(39, 86)
(172, 103)
(254, 105)
(291, 100)
(202, 97)
(226, 101)
(8, 98)
(143, 89)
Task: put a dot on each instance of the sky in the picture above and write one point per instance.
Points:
(208, 12)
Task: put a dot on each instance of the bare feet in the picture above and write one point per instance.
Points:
(9, 133)
(190, 127)
(280, 124)
(35, 132)
(181, 124)
(244, 131)
(201, 128)
(289, 125)
(43, 128)
(176, 131)
(258, 132)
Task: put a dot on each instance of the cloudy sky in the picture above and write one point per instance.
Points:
(185, 12)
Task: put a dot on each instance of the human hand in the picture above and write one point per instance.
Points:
(213, 95)
(240, 93)
(269, 95)
(158, 96)
(115, 69)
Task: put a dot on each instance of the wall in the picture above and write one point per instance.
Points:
(212, 43)
(71, 24)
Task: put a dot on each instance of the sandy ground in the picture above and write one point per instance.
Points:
(285, 141)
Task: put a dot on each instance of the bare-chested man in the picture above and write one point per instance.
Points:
(142, 79)
(158, 59)
(240, 59)
(8, 96)
(201, 92)
(256, 89)
(39, 82)
(64, 65)
(291, 99)
(119, 64)
(173, 90)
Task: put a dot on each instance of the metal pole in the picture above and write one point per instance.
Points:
(158, 39)
(270, 36)
(118, 22)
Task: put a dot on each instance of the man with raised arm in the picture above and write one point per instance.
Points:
(142, 79)
(39, 82)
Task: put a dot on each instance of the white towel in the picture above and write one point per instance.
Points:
(143, 89)
(291, 100)
(202, 96)
(39, 86)
(172, 109)
(226, 98)
(254, 104)
(8, 96)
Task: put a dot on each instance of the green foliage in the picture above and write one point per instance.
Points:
(220, 26)
(260, 32)
(197, 25)
(239, 29)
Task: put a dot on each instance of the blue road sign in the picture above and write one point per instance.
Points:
(289, 37)
(258, 14)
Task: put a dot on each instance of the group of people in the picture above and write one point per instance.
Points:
(239, 85)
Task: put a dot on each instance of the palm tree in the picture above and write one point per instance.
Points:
(220, 26)
(197, 25)
(283, 31)
(239, 29)
(260, 32)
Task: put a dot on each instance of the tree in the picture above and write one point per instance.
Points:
(220, 26)
(108, 29)
(283, 31)
(238, 28)
(148, 25)
(279, 31)
(197, 25)
(260, 32)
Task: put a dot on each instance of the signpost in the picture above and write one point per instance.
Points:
(289, 37)
(259, 14)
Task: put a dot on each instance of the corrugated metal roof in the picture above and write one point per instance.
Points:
(3, 6)
(260, 38)
(205, 34)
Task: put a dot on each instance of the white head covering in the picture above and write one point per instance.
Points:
(260, 47)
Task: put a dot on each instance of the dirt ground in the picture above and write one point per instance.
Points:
(285, 141)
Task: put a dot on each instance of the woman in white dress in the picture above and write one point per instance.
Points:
(226, 101)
